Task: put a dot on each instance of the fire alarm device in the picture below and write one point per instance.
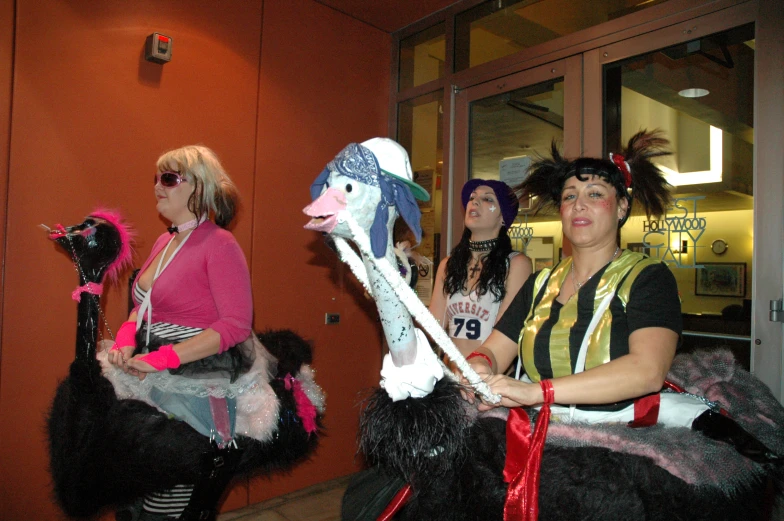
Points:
(158, 48)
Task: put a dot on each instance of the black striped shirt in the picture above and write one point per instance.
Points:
(652, 302)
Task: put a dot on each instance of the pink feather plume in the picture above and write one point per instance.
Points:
(305, 408)
(124, 259)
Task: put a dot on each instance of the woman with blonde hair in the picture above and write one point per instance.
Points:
(193, 308)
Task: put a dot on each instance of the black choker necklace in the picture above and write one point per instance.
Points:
(480, 246)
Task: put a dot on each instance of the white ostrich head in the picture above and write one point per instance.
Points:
(357, 197)
(373, 182)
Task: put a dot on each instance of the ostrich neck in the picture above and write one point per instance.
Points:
(395, 318)
(88, 317)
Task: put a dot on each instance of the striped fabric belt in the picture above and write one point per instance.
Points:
(173, 332)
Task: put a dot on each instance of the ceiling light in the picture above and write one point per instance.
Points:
(694, 93)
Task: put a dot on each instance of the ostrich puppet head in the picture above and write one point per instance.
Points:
(357, 197)
(373, 182)
(101, 245)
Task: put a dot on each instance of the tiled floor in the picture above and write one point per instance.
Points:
(320, 502)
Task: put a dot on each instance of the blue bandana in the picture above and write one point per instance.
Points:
(360, 164)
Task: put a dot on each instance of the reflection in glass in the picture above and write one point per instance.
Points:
(711, 169)
(422, 57)
(507, 131)
(498, 28)
(420, 123)
(516, 124)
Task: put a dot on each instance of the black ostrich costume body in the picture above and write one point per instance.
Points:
(453, 458)
(106, 452)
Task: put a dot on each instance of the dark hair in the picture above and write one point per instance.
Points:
(504, 194)
(494, 268)
(646, 183)
(224, 204)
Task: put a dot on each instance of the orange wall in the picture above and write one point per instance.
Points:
(324, 83)
(88, 119)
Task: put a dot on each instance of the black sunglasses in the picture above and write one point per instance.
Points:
(169, 179)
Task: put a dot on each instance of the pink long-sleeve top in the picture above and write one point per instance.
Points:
(206, 285)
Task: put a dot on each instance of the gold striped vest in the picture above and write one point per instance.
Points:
(617, 278)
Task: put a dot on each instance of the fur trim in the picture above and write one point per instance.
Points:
(588, 472)
(124, 258)
(290, 350)
(106, 452)
(417, 439)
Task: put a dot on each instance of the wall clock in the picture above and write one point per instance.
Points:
(719, 246)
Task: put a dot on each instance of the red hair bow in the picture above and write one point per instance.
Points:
(623, 166)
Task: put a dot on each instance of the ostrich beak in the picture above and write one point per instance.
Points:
(58, 232)
(324, 211)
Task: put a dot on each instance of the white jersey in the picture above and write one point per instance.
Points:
(470, 316)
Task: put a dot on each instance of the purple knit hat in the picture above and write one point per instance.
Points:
(503, 192)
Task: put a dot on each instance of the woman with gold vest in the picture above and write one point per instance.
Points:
(597, 333)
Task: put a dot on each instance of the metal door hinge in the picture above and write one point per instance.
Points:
(777, 310)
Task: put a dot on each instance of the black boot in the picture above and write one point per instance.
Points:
(129, 512)
(723, 428)
(218, 467)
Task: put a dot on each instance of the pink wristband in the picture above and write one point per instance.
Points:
(126, 336)
(476, 354)
(164, 358)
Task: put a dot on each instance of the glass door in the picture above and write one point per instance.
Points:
(501, 125)
(696, 82)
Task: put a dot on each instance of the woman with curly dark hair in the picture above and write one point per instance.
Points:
(476, 283)
(597, 333)
(626, 351)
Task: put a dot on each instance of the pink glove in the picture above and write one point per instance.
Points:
(126, 336)
(164, 358)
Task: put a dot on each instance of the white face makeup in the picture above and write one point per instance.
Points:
(483, 215)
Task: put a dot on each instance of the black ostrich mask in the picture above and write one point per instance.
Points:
(100, 244)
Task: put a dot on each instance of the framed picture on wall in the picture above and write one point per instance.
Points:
(721, 279)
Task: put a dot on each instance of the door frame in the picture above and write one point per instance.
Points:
(767, 347)
(570, 69)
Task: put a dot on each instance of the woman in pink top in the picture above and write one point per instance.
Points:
(199, 272)
(189, 336)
